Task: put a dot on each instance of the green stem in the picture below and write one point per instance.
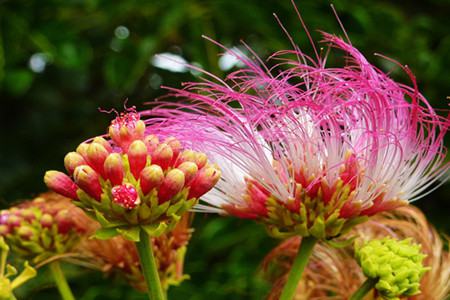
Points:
(366, 287)
(149, 268)
(300, 262)
(61, 282)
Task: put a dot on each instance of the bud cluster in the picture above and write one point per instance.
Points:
(396, 265)
(134, 178)
(37, 229)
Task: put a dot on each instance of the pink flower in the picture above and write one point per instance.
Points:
(310, 149)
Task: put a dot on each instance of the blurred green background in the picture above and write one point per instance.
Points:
(61, 60)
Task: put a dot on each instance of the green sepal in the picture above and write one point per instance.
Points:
(130, 233)
(341, 244)
(106, 223)
(105, 233)
(318, 228)
(155, 230)
(27, 273)
(10, 271)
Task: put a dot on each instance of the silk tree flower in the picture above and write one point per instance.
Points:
(307, 149)
(135, 185)
(41, 229)
(333, 271)
(132, 180)
(118, 256)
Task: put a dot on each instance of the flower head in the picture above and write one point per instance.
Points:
(335, 271)
(41, 228)
(131, 179)
(308, 149)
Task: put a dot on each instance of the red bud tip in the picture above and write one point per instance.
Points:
(73, 160)
(125, 195)
(172, 185)
(97, 155)
(162, 156)
(88, 180)
(204, 181)
(113, 168)
(61, 184)
(150, 178)
(189, 169)
(137, 157)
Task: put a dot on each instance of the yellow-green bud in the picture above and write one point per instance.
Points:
(397, 265)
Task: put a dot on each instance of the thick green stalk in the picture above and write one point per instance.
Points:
(149, 268)
(300, 262)
(366, 287)
(61, 282)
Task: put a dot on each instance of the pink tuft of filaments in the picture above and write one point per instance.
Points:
(310, 140)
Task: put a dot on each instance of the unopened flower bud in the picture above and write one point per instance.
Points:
(162, 156)
(27, 214)
(100, 140)
(204, 181)
(126, 128)
(201, 159)
(173, 183)
(97, 155)
(189, 169)
(4, 230)
(137, 157)
(63, 221)
(73, 160)
(46, 220)
(113, 168)
(82, 149)
(61, 184)
(186, 155)
(151, 177)
(396, 265)
(14, 221)
(152, 142)
(175, 145)
(125, 195)
(25, 232)
(88, 180)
